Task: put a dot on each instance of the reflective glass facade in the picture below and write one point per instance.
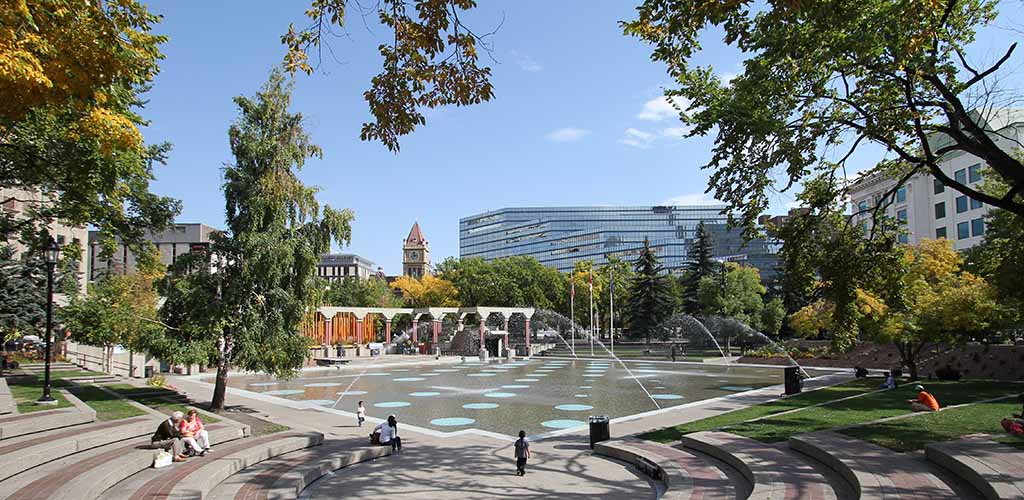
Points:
(560, 237)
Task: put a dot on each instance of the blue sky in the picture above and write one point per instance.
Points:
(577, 119)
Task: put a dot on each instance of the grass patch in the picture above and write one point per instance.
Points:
(107, 406)
(26, 390)
(58, 375)
(913, 433)
(866, 408)
(153, 397)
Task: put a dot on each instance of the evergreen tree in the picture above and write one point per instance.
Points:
(650, 297)
(22, 294)
(700, 266)
(243, 305)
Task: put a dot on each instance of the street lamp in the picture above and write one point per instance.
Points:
(51, 252)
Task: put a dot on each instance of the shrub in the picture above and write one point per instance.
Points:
(157, 380)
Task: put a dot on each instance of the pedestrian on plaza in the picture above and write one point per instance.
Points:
(522, 448)
(361, 413)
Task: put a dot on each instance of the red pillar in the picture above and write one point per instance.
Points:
(527, 336)
(506, 334)
(415, 326)
(437, 329)
(359, 330)
(387, 331)
(327, 331)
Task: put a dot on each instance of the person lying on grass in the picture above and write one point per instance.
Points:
(1015, 425)
(924, 402)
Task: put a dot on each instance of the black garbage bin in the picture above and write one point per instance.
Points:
(148, 371)
(794, 381)
(599, 429)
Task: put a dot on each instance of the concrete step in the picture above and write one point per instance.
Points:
(46, 420)
(994, 469)
(22, 453)
(286, 476)
(54, 367)
(197, 476)
(684, 475)
(89, 475)
(7, 405)
(94, 379)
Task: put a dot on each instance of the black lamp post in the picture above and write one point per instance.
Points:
(52, 252)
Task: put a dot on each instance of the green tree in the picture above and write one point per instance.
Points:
(22, 294)
(430, 291)
(999, 258)
(244, 305)
(650, 297)
(700, 265)
(357, 292)
(739, 294)
(827, 76)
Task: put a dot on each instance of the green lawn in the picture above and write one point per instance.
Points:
(107, 406)
(913, 433)
(57, 375)
(27, 390)
(866, 408)
(153, 397)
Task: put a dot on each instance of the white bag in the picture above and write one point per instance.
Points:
(162, 459)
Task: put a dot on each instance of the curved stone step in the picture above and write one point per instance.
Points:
(684, 475)
(994, 469)
(23, 453)
(197, 476)
(285, 477)
(7, 405)
(86, 479)
(46, 420)
(772, 472)
(873, 471)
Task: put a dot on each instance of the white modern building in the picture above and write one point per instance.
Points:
(928, 209)
(334, 266)
(177, 240)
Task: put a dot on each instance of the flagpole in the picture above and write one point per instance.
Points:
(572, 310)
(611, 308)
(591, 311)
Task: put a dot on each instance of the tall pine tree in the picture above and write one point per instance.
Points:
(22, 295)
(253, 289)
(699, 266)
(650, 297)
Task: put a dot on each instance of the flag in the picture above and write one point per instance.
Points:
(591, 281)
(572, 286)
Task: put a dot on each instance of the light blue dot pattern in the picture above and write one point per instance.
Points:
(574, 407)
(409, 379)
(481, 375)
(351, 393)
(562, 424)
(666, 396)
(583, 395)
(527, 380)
(500, 395)
(323, 384)
(452, 421)
(392, 404)
(736, 388)
(284, 392)
(515, 386)
(424, 394)
(319, 402)
(480, 406)
(263, 384)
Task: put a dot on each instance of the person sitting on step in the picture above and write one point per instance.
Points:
(193, 433)
(168, 436)
(924, 402)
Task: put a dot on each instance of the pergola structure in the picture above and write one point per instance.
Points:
(436, 314)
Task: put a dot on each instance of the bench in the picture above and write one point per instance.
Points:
(684, 475)
(331, 361)
(772, 472)
(874, 472)
(994, 469)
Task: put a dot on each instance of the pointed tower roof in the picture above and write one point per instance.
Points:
(415, 235)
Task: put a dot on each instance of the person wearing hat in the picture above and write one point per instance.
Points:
(924, 401)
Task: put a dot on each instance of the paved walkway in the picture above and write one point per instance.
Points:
(478, 466)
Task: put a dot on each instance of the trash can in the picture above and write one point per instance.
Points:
(794, 382)
(599, 429)
(148, 371)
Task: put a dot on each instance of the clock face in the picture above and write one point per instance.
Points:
(413, 255)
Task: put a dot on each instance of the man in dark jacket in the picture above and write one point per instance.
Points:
(168, 436)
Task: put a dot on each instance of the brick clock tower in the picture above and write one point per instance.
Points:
(416, 254)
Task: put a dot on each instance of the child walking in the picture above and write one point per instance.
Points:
(522, 453)
(361, 413)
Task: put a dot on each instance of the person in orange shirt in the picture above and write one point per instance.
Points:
(924, 401)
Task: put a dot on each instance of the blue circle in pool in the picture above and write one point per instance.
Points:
(392, 404)
(500, 395)
(537, 374)
(527, 380)
(409, 379)
(446, 370)
(585, 387)
(262, 384)
(319, 402)
(350, 393)
(452, 421)
(736, 388)
(480, 406)
(284, 392)
(574, 407)
(515, 386)
(666, 396)
(481, 374)
(562, 424)
(424, 394)
(323, 384)
(583, 395)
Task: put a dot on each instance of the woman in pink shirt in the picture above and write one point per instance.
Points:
(194, 433)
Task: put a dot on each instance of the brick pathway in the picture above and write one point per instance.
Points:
(707, 481)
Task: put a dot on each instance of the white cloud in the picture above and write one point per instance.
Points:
(567, 134)
(675, 133)
(637, 138)
(661, 108)
(526, 62)
(727, 78)
(690, 199)
(794, 204)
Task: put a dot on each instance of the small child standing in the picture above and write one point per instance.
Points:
(361, 413)
(522, 453)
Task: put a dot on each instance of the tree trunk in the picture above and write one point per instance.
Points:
(221, 384)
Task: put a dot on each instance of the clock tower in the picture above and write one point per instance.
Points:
(415, 254)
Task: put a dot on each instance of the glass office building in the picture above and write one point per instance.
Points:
(560, 237)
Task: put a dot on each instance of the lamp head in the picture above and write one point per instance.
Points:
(51, 251)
